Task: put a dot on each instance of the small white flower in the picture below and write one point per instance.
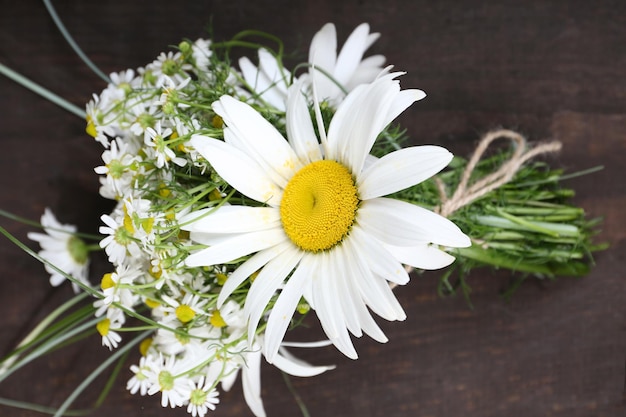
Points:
(168, 68)
(166, 376)
(124, 80)
(107, 326)
(188, 340)
(115, 288)
(187, 309)
(100, 125)
(117, 168)
(120, 243)
(156, 140)
(201, 52)
(140, 381)
(62, 248)
(143, 113)
(202, 397)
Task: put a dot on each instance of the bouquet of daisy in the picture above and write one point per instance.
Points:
(249, 195)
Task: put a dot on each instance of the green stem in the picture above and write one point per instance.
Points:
(35, 255)
(40, 408)
(482, 255)
(45, 93)
(96, 372)
(296, 396)
(41, 327)
(57, 21)
(48, 346)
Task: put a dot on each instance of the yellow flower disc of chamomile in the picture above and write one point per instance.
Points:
(319, 205)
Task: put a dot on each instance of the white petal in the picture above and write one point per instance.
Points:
(401, 102)
(323, 54)
(249, 71)
(423, 256)
(211, 239)
(328, 310)
(259, 81)
(354, 273)
(300, 127)
(342, 264)
(381, 260)
(251, 382)
(246, 269)
(359, 120)
(381, 299)
(238, 169)
(399, 223)
(401, 169)
(319, 343)
(236, 247)
(231, 219)
(369, 69)
(352, 53)
(263, 142)
(283, 309)
(293, 366)
(323, 49)
(274, 72)
(377, 294)
(265, 285)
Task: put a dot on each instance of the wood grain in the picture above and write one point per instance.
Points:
(549, 69)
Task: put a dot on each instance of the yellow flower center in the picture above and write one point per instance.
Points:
(152, 303)
(221, 278)
(107, 281)
(103, 327)
(217, 320)
(91, 127)
(184, 313)
(319, 205)
(145, 345)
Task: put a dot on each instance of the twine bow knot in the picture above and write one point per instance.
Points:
(464, 194)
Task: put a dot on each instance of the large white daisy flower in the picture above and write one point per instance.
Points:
(343, 71)
(326, 232)
(335, 73)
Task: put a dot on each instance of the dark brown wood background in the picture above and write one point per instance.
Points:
(549, 69)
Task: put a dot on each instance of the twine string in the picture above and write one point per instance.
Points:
(466, 194)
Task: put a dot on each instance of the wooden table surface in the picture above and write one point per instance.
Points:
(548, 69)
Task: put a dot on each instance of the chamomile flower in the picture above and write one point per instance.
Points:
(117, 168)
(168, 68)
(140, 382)
(117, 288)
(156, 142)
(202, 398)
(143, 113)
(326, 232)
(107, 326)
(102, 120)
(62, 248)
(166, 376)
(186, 309)
(119, 244)
(201, 53)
